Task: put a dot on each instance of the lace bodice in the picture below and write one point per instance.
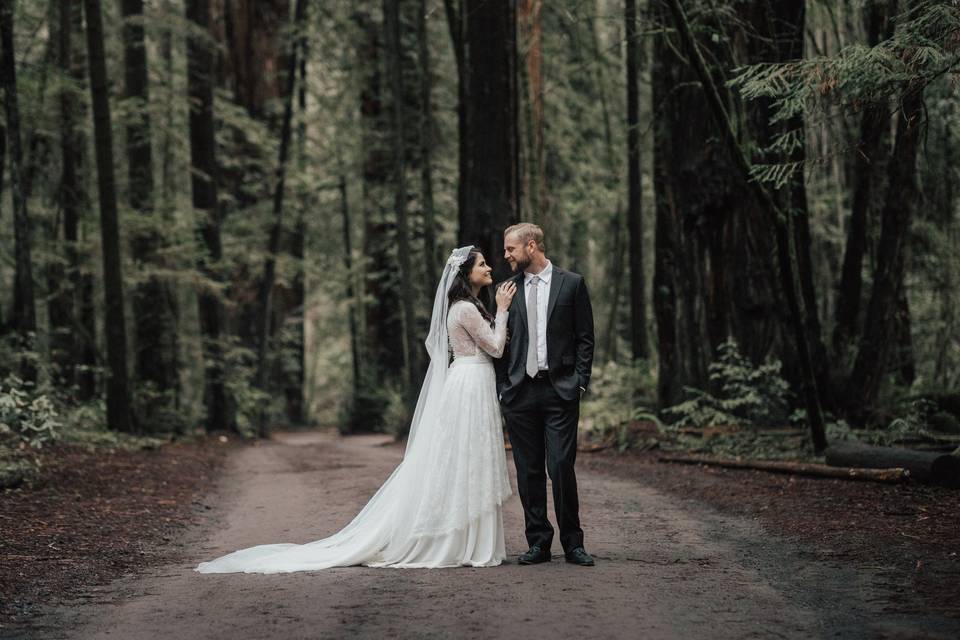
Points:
(470, 334)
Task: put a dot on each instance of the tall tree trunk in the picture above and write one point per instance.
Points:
(430, 258)
(61, 311)
(683, 212)
(612, 179)
(638, 306)
(391, 12)
(23, 320)
(294, 333)
(456, 23)
(252, 61)
(72, 310)
(154, 303)
(118, 394)
(24, 309)
(266, 284)
(869, 164)
(491, 179)
(616, 276)
(534, 182)
(715, 274)
(351, 295)
(785, 21)
(377, 302)
(877, 341)
(200, 78)
(790, 275)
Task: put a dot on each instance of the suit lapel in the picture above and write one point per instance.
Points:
(555, 287)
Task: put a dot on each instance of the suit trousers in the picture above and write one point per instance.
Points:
(543, 427)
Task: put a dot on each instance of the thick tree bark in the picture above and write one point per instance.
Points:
(382, 344)
(683, 216)
(269, 269)
(154, 303)
(456, 24)
(638, 306)
(615, 222)
(118, 395)
(490, 173)
(715, 275)
(252, 63)
(869, 166)
(877, 343)
(204, 179)
(76, 205)
(789, 267)
(61, 311)
(533, 170)
(430, 257)
(24, 309)
(391, 12)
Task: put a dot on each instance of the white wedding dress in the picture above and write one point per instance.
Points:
(441, 507)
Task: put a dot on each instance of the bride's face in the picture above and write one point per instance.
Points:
(481, 274)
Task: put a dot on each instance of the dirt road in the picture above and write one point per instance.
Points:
(665, 569)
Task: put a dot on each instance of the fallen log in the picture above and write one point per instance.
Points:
(797, 468)
(932, 467)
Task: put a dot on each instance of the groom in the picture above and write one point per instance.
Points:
(540, 378)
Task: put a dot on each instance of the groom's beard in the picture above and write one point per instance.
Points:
(521, 265)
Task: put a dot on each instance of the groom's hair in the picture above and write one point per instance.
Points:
(527, 231)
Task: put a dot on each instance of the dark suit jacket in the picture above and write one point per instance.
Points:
(569, 337)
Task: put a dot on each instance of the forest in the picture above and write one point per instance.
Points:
(223, 222)
(224, 215)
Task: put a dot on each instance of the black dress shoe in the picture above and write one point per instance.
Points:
(580, 556)
(534, 555)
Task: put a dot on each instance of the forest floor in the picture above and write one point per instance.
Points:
(104, 545)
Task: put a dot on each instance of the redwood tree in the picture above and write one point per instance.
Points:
(638, 306)
(490, 176)
(200, 77)
(154, 303)
(118, 396)
(24, 309)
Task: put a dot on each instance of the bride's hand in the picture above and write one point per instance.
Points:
(505, 294)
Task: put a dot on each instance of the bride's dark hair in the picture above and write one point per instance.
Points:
(460, 289)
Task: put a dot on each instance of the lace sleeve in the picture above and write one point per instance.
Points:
(490, 340)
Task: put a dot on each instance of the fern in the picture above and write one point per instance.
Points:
(746, 395)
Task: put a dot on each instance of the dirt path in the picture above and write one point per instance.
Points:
(665, 569)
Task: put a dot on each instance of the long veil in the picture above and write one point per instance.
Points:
(385, 527)
(437, 347)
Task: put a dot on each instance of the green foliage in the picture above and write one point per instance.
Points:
(158, 411)
(26, 415)
(747, 395)
(922, 49)
(240, 366)
(611, 404)
(397, 413)
(366, 410)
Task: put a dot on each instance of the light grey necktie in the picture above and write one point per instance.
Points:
(532, 365)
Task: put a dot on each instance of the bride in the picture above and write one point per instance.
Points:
(441, 506)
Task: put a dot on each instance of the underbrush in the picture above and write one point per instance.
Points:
(35, 417)
(748, 412)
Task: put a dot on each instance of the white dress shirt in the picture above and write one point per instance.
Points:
(543, 297)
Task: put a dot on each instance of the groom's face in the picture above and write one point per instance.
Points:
(515, 252)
